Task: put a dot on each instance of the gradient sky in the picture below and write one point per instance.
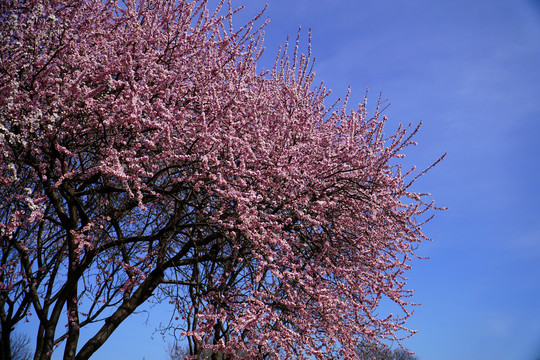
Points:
(470, 71)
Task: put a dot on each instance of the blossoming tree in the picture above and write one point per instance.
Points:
(143, 156)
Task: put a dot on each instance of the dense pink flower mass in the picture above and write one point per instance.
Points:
(144, 157)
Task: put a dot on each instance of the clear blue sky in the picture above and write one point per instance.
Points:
(470, 70)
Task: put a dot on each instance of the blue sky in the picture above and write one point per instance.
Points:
(470, 70)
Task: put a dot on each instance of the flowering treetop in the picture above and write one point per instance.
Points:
(143, 156)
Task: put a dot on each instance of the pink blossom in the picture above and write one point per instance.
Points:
(144, 158)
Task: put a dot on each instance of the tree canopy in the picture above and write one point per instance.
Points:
(144, 156)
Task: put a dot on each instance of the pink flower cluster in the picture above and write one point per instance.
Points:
(144, 156)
